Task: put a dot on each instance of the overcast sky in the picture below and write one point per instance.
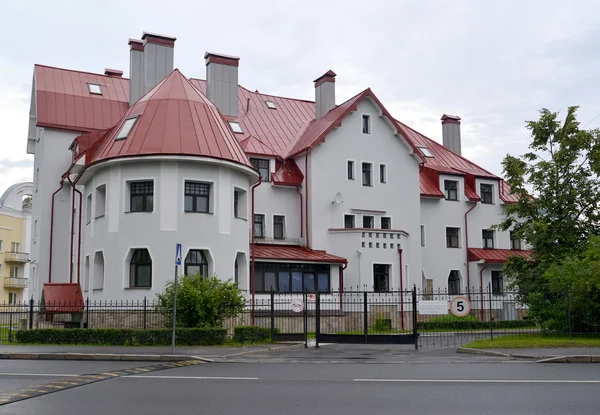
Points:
(492, 63)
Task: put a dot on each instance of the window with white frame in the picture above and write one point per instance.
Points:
(367, 174)
(515, 242)
(197, 197)
(196, 263)
(386, 222)
(451, 189)
(100, 201)
(350, 168)
(94, 89)
(349, 221)
(15, 247)
(423, 235)
(382, 173)
(278, 227)
(497, 282)
(368, 222)
(240, 203)
(262, 165)
(452, 237)
(487, 236)
(366, 124)
(14, 272)
(12, 298)
(381, 277)
(236, 127)
(140, 269)
(141, 196)
(88, 209)
(126, 128)
(259, 225)
(487, 193)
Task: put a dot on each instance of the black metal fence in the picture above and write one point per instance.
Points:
(424, 318)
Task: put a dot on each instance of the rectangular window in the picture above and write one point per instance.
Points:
(368, 222)
(15, 247)
(88, 209)
(486, 191)
(94, 89)
(488, 238)
(423, 235)
(14, 272)
(197, 197)
(262, 166)
(236, 212)
(497, 282)
(382, 173)
(142, 196)
(0, 245)
(285, 278)
(381, 277)
(126, 128)
(259, 226)
(349, 221)
(12, 298)
(451, 189)
(278, 227)
(100, 201)
(366, 124)
(515, 242)
(366, 174)
(350, 170)
(386, 223)
(452, 237)
(426, 152)
(236, 127)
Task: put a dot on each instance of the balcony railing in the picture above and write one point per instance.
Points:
(11, 256)
(15, 282)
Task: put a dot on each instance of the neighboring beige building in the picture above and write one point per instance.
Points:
(15, 237)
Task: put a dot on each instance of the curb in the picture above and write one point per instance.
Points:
(102, 357)
(268, 349)
(536, 359)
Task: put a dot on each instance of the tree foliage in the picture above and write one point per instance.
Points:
(201, 301)
(558, 193)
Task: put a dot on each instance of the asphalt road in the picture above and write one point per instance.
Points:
(476, 387)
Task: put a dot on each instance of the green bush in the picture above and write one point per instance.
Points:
(471, 323)
(201, 301)
(383, 324)
(123, 337)
(251, 334)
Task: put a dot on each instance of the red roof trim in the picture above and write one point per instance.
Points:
(367, 230)
(494, 256)
(136, 44)
(158, 39)
(222, 59)
(328, 76)
(294, 253)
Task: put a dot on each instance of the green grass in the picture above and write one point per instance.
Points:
(534, 341)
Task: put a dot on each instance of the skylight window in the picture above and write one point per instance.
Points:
(426, 152)
(271, 104)
(126, 128)
(95, 89)
(235, 127)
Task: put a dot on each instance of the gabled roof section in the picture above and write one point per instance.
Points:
(64, 101)
(173, 118)
(288, 174)
(317, 130)
(505, 194)
(253, 145)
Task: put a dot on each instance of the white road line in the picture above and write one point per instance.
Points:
(38, 374)
(190, 377)
(478, 380)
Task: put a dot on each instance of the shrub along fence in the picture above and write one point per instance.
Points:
(296, 316)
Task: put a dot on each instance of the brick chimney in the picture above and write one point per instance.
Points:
(222, 82)
(324, 93)
(136, 70)
(451, 133)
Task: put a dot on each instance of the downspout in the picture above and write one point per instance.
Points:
(72, 227)
(254, 186)
(467, 250)
(73, 230)
(301, 220)
(481, 289)
(341, 282)
(306, 198)
(401, 290)
(62, 183)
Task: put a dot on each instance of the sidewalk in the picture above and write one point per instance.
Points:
(162, 353)
(540, 355)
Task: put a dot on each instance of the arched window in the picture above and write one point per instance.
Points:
(236, 272)
(196, 263)
(140, 269)
(454, 283)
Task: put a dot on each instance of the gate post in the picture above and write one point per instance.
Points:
(318, 319)
(305, 317)
(365, 316)
(31, 313)
(272, 315)
(414, 317)
(491, 312)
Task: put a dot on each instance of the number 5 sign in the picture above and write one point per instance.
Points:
(460, 306)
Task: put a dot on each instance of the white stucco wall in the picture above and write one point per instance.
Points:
(398, 198)
(52, 159)
(118, 232)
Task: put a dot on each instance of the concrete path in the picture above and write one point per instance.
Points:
(542, 355)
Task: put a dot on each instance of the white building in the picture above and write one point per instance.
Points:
(327, 194)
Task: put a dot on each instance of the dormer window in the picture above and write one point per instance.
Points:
(426, 152)
(126, 128)
(271, 105)
(235, 127)
(95, 89)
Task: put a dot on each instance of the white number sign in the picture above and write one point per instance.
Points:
(460, 307)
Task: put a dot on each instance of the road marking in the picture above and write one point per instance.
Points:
(479, 380)
(190, 377)
(38, 374)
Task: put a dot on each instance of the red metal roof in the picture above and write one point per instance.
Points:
(295, 253)
(288, 174)
(253, 145)
(64, 101)
(174, 118)
(497, 256)
(62, 298)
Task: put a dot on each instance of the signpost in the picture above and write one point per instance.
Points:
(178, 250)
(460, 307)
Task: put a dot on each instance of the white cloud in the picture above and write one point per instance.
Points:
(494, 64)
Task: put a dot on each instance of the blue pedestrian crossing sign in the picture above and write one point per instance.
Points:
(178, 255)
